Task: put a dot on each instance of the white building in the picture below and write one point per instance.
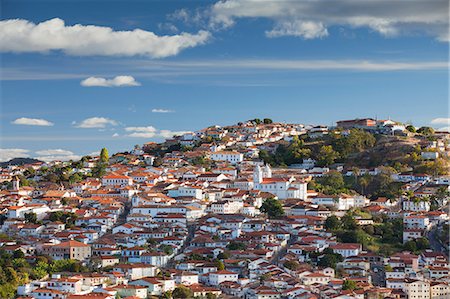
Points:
(228, 156)
(281, 187)
(216, 278)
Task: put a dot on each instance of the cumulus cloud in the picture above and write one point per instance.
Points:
(141, 132)
(7, 154)
(151, 132)
(306, 30)
(32, 122)
(95, 122)
(50, 152)
(56, 155)
(162, 110)
(118, 81)
(19, 35)
(441, 121)
(309, 19)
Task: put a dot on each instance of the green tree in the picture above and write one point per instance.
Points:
(267, 121)
(349, 285)
(31, 217)
(182, 292)
(220, 265)
(332, 223)
(426, 130)
(99, 170)
(332, 183)
(223, 256)
(272, 207)
(327, 156)
(291, 265)
(211, 296)
(104, 156)
(18, 254)
(411, 128)
(233, 245)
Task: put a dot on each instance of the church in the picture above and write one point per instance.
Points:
(282, 187)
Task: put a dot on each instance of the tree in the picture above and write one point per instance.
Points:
(211, 296)
(291, 265)
(332, 183)
(267, 121)
(426, 130)
(31, 217)
(220, 265)
(223, 256)
(99, 170)
(329, 260)
(182, 292)
(104, 156)
(349, 222)
(272, 207)
(332, 223)
(411, 128)
(18, 254)
(236, 246)
(349, 285)
(327, 155)
(410, 246)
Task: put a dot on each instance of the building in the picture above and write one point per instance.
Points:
(228, 156)
(280, 187)
(68, 250)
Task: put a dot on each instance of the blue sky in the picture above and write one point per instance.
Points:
(70, 86)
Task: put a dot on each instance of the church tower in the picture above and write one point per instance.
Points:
(16, 184)
(257, 175)
(267, 171)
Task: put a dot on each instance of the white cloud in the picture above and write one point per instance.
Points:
(441, 121)
(117, 81)
(296, 18)
(162, 110)
(18, 35)
(56, 155)
(220, 66)
(115, 135)
(7, 154)
(59, 158)
(95, 122)
(50, 152)
(306, 30)
(32, 122)
(141, 132)
(151, 132)
(170, 134)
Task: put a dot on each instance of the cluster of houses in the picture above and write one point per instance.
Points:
(145, 230)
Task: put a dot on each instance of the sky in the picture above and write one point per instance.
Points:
(77, 76)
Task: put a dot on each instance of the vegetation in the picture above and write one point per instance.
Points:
(104, 155)
(349, 285)
(272, 207)
(233, 245)
(417, 245)
(291, 265)
(327, 258)
(384, 238)
(15, 270)
(182, 292)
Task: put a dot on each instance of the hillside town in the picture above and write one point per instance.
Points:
(255, 210)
